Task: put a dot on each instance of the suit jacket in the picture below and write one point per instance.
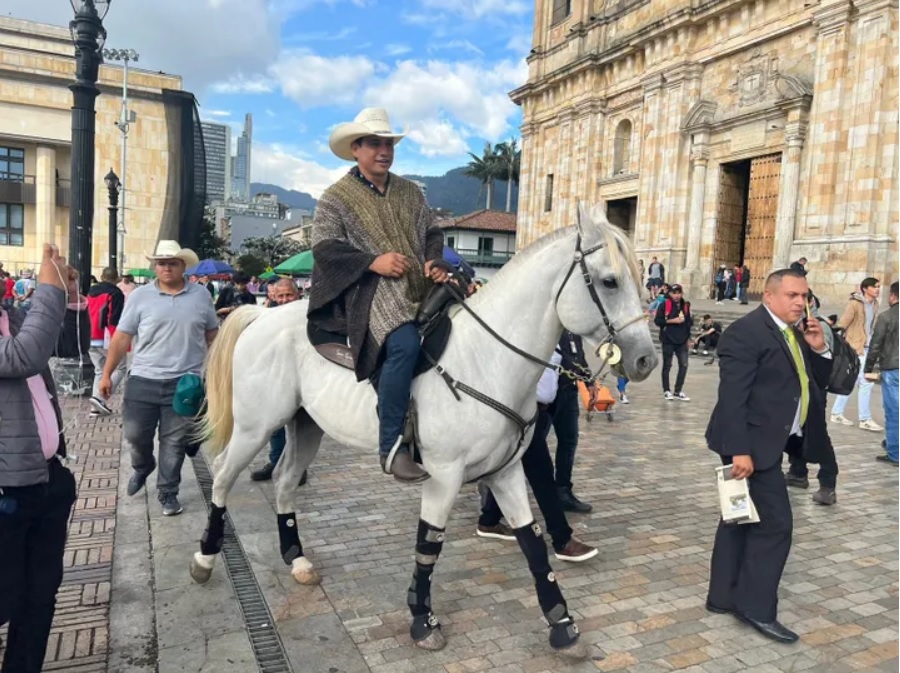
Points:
(759, 390)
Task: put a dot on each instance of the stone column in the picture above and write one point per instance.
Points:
(788, 191)
(45, 196)
(699, 160)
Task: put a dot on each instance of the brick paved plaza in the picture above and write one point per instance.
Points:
(639, 603)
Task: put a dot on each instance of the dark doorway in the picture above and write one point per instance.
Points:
(731, 220)
(623, 213)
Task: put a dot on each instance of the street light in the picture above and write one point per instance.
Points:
(113, 185)
(126, 119)
(88, 36)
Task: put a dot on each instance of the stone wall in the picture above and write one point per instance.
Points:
(36, 67)
(702, 86)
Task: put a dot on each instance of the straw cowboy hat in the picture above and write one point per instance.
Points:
(172, 250)
(372, 121)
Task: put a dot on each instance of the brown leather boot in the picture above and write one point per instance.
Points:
(403, 467)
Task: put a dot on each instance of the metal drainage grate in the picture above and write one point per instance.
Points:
(267, 647)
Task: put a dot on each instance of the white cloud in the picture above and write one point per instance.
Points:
(474, 96)
(255, 84)
(291, 170)
(215, 113)
(479, 9)
(313, 80)
(462, 45)
(204, 41)
(438, 138)
(520, 43)
(397, 49)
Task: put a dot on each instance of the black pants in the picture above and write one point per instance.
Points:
(32, 540)
(828, 467)
(720, 291)
(680, 351)
(539, 472)
(748, 560)
(565, 424)
(709, 342)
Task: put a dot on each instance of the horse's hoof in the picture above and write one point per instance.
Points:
(565, 639)
(304, 573)
(434, 641)
(199, 573)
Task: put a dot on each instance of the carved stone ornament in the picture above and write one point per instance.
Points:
(699, 116)
(756, 77)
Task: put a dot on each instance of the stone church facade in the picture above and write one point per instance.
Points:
(719, 131)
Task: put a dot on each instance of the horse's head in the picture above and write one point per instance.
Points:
(598, 293)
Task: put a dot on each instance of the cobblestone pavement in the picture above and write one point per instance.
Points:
(639, 603)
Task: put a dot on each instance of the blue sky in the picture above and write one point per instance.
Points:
(442, 68)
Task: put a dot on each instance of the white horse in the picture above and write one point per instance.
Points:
(581, 278)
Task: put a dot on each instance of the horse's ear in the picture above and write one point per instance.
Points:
(582, 218)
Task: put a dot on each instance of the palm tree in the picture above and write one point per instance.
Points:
(485, 168)
(509, 157)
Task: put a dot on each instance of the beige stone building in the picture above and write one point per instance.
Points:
(720, 131)
(36, 66)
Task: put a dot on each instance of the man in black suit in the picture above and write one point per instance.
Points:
(772, 382)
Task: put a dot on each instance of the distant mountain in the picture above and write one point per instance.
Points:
(291, 197)
(452, 191)
(456, 192)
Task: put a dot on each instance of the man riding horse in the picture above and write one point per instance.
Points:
(374, 243)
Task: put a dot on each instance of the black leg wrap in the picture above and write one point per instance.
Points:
(214, 535)
(289, 538)
(429, 542)
(563, 631)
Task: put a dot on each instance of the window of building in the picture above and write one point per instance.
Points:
(450, 241)
(485, 247)
(548, 194)
(561, 10)
(12, 164)
(622, 148)
(12, 224)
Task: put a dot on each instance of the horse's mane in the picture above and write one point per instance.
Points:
(621, 251)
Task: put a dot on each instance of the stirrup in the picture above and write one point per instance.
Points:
(389, 461)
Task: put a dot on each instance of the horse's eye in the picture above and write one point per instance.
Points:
(610, 283)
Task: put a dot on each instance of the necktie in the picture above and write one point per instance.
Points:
(801, 370)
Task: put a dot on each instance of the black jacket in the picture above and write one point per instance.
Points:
(571, 348)
(674, 334)
(759, 390)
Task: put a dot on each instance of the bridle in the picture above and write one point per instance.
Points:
(578, 259)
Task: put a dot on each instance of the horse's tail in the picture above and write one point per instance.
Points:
(218, 424)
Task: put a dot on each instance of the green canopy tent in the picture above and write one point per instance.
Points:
(269, 275)
(298, 265)
(141, 273)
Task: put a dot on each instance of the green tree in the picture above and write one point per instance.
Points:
(251, 264)
(485, 168)
(211, 245)
(272, 250)
(509, 159)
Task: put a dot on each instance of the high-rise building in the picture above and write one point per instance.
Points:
(217, 141)
(240, 189)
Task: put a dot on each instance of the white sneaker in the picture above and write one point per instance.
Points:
(870, 425)
(668, 395)
(100, 407)
(681, 396)
(623, 398)
(706, 352)
(839, 418)
(718, 303)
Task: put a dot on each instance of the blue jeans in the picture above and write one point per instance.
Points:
(621, 382)
(565, 425)
(402, 351)
(276, 445)
(889, 397)
(864, 389)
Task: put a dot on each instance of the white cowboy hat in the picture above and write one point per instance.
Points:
(372, 121)
(166, 249)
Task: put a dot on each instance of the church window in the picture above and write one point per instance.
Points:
(622, 148)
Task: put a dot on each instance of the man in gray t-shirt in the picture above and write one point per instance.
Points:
(170, 322)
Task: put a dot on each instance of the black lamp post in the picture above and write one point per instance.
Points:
(88, 34)
(113, 184)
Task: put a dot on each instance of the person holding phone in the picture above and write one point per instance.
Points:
(772, 379)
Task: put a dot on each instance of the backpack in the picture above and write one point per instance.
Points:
(845, 370)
